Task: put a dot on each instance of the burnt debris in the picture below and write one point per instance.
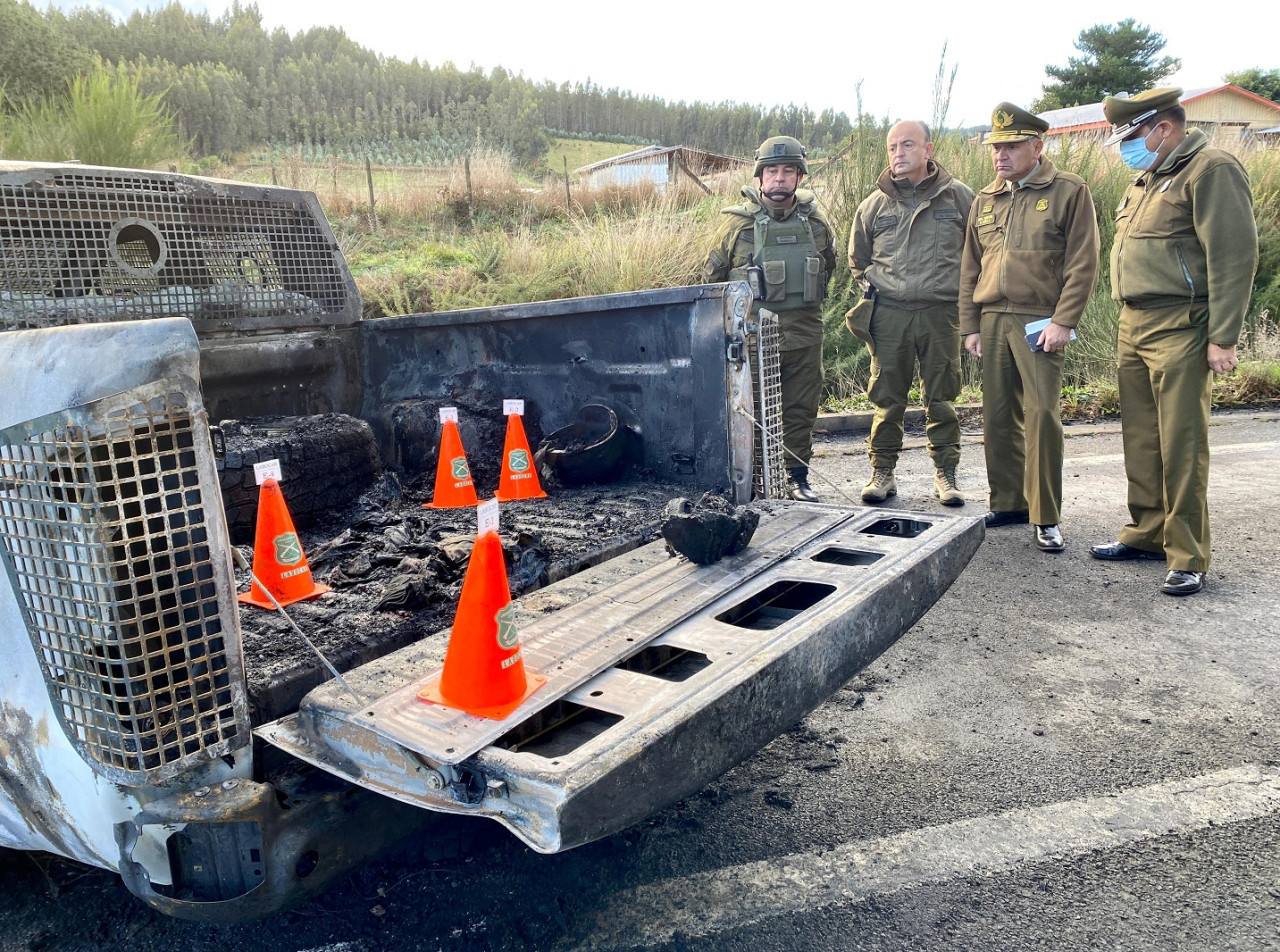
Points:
(708, 530)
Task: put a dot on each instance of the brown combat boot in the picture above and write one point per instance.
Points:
(945, 488)
(881, 486)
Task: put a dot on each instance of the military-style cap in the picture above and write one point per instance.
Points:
(1010, 123)
(781, 150)
(1126, 115)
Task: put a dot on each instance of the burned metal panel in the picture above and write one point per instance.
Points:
(50, 797)
(660, 358)
(256, 269)
(770, 638)
(108, 518)
(623, 776)
(292, 374)
(580, 642)
(81, 244)
(244, 850)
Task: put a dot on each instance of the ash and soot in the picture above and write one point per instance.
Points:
(396, 568)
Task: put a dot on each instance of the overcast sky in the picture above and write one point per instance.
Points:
(730, 51)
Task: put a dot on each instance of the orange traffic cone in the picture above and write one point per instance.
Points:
(454, 488)
(278, 560)
(483, 672)
(519, 479)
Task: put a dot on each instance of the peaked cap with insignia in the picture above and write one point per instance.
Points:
(1128, 115)
(1010, 123)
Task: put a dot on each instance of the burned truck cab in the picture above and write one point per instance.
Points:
(138, 310)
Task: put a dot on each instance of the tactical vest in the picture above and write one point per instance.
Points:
(788, 254)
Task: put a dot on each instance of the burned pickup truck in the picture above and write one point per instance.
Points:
(151, 725)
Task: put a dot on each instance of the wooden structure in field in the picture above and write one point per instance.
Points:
(660, 166)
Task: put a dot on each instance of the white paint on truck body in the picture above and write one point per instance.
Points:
(50, 797)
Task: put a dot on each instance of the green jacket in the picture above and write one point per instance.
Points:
(735, 240)
(1033, 251)
(1185, 233)
(906, 242)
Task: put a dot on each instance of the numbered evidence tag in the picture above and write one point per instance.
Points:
(487, 517)
(513, 406)
(270, 469)
(448, 415)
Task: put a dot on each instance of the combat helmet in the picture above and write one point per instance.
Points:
(780, 150)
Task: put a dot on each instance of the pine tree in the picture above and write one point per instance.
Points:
(1118, 59)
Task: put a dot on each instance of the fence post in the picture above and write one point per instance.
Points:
(471, 201)
(373, 210)
(568, 199)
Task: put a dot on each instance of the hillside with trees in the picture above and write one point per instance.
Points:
(232, 85)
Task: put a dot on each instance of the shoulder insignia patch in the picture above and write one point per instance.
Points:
(986, 219)
(1042, 205)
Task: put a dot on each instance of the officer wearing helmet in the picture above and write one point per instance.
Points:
(779, 229)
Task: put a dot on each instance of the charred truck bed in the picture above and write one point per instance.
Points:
(161, 334)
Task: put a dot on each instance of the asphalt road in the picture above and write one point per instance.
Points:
(1056, 757)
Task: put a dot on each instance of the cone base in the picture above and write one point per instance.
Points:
(250, 597)
(516, 497)
(431, 695)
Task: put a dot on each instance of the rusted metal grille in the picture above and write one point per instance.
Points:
(769, 472)
(106, 536)
(96, 245)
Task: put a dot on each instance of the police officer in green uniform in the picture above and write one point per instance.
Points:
(905, 249)
(1030, 255)
(1182, 266)
(779, 229)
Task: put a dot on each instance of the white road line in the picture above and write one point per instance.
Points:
(733, 897)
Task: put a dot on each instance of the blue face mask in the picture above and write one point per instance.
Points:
(1135, 154)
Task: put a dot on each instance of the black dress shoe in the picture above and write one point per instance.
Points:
(798, 485)
(1016, 517)
(1049, 539)
(1182, 583)
(1119, 552)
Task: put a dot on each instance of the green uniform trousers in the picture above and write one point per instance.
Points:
(1021, 420)
(931, 334)
(800, 370)
(1165, 389)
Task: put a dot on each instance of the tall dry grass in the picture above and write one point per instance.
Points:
(440, 245)
(504, 242)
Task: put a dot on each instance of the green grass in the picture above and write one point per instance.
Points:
(581, 152)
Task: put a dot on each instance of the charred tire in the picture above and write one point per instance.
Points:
(326, 462)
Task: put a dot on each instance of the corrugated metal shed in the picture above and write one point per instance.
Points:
(658, 165)
(1225, 108)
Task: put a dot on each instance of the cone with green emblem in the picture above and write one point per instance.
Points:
(483, 670)
(454, 487)
(519, 479)
(279, 563)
